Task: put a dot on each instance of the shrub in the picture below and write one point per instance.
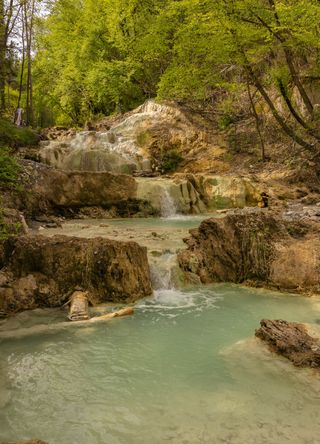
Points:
(9, 169)
(170, 161)
(9, 226)
(15, 137)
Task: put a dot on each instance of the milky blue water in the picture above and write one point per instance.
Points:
(184, 369)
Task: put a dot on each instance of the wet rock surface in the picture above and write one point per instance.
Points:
(47, 192)
(298, 212)
(44, 272)
(257, 247)
(133, 142)
(292, 341)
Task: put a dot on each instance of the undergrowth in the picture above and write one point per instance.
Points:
(15, 137)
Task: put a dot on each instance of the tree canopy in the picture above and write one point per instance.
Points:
(97, 57)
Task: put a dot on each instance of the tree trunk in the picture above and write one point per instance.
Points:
(2, 59)
(281, 121)
(290, 63)
(23, 59)
(29, 21)
(258, 123)
(264, 94)
(311, 131)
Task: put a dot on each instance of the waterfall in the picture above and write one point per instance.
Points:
(168, 207)
(164, 271)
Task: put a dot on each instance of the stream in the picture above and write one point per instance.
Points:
(185, 369)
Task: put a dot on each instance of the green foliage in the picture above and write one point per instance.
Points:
(8, 228)
(170, 161)
(91, 58)
(12, 137)
(9, 169)
(103, 56)
(15, 137)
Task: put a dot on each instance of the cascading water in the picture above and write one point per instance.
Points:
(168, 207)
(164, 271)
(116, 149)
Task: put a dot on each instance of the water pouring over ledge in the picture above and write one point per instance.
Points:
(168, 206)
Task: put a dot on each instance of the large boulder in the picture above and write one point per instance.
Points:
(72, 189)
(49, 191)
(44, 272)
(256, 247)
(230, 192)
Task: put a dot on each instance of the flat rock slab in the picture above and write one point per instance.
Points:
(292, 341)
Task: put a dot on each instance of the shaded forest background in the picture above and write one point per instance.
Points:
(69, 61)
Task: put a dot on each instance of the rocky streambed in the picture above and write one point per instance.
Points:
(179, 369)
(184, 343)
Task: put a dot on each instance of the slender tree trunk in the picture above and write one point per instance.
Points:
(2, 59)
(258, 123)
(29, 20)
(23, 59)
(291, 64)
(281, 121)
(311, 131)
(255, 80)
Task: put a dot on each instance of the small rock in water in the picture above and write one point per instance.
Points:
(103, 225)
(292, 341)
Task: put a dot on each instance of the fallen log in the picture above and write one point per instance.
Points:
(292, 341)
(79, 309)
(127, 311)
(52, 328)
